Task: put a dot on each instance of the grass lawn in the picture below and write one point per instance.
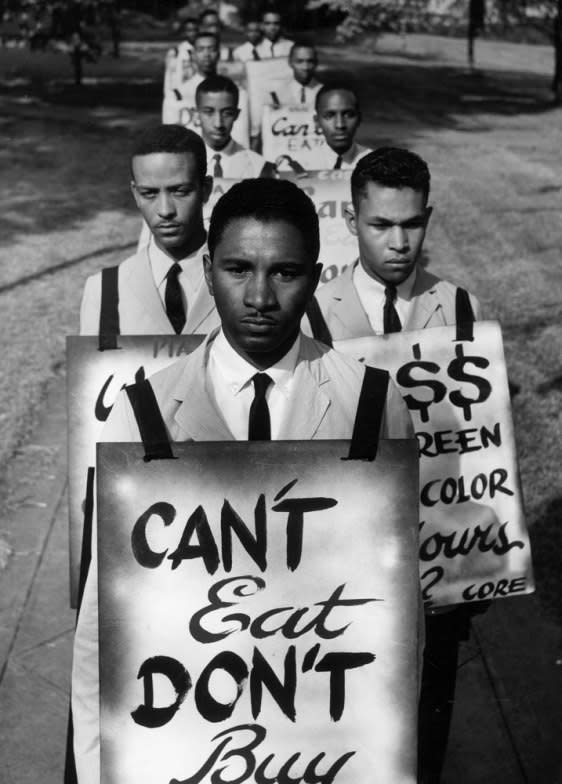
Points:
(492, 140)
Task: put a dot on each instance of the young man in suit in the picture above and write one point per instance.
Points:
(273, 43)
(160, 290)
(389, 217)
(254, 36)
(338, 116)
(302, 89)
(255, 378)
(216, 99)
(387, 290)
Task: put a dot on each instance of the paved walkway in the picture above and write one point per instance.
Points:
(508, 717)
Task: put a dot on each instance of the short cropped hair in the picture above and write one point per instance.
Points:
(302, 45)
(173, 139)
(330, 87)
(205, 34)
(267, 200)
(392, 167)
(208, 12)
(217, 84)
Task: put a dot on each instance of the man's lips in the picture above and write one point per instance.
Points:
(260, 322)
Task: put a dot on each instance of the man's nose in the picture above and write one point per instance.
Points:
(260, 294)
(166, 206)
(399, 238)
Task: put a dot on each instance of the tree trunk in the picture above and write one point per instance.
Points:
(557, 41)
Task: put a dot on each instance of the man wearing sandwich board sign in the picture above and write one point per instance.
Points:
(261, 270)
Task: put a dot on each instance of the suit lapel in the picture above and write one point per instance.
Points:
(198, 417)
(424, 301)
(347, 309)
(199, 310)
(138, 286)
(309, 402)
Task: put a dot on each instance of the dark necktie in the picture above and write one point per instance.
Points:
(217, 171)
(391, 319)
(255, 54)
(303, 95)
(272, 50)
(338, 163)
(259, 425)
(173, 299)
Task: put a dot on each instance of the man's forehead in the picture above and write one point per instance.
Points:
(337, 99)
(218, 99)
(165, 165)
(304, 51)
(387, 201)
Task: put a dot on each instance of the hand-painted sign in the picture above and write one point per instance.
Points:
(473, 540)
(329, 190)
(258, 613)
(292, 132)
(264, 78)
(94, 378)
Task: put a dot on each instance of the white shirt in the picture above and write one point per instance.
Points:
(267, 49)
(190, 278)
(291, 93)
(236, 161)
(230, 378)
(349, 157)
(371, 296)
(245, 52)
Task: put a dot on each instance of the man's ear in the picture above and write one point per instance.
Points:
(351, 220)
(207, 270)
(207, 188)
(134, 192)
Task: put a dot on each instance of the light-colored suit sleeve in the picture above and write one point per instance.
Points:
(85, 679)
(397, 422)
(90, 306)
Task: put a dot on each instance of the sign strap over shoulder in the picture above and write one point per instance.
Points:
(109, 310)
(370, 411)
(464, 315)
(318, 325)
(147, 412)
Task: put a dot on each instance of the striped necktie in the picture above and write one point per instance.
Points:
(217, 171)
(338, 163)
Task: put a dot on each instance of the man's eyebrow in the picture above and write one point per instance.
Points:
(386, 219)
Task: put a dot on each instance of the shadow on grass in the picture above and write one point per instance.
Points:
(546, 545)
(71, 160)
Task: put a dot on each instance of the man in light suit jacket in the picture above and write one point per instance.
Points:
(387, 290)
(389, 217)
(262, 271)
(161, 289)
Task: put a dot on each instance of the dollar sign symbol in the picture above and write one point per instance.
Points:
(457, 372)
(404, 378)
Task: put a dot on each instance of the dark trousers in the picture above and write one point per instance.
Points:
(443, 634)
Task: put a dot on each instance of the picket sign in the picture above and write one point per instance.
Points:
(329, 190)
(473, 540)
(264, 77)
(258, 607)
(94, 379)
(292, 131)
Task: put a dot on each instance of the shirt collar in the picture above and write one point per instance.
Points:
(160, 262)
(365, 282)
(237, 373)
(226, 151)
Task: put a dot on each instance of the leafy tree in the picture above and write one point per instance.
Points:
(378, 16)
